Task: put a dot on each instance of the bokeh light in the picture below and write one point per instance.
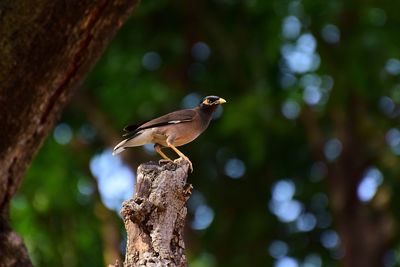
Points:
(62, 133)
(87, 133)
(330, 239)
(287, 80)
(291, 27)
(115, 180)
(286, 262)
(306, 222)
(151, 61)
(387, 105)
(282, 203)
(291, 109)
(369, 184)
(203, 217)
(235, 168)
(283, 190)
(301, 57)
(312, 260)
(278, 249)
(393, 66)
(393, 140)
(191, 100)
(312, 95)
(331, 34)
(332, 149)
(201, 51)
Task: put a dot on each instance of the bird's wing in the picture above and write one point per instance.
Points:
(133, 127)
(180, 116)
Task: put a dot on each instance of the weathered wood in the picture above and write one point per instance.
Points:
(155, 217)
(46, 49)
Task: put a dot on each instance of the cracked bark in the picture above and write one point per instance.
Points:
(155, 217)
(46, 48)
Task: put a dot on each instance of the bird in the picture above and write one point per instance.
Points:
(171, 130)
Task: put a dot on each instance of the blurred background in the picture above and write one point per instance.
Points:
(298, 169)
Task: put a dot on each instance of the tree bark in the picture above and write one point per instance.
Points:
(46, 48)
(155, 217)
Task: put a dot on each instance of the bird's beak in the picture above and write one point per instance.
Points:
(221, 101)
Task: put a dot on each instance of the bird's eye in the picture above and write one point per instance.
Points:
(210, 101)
(207, 101)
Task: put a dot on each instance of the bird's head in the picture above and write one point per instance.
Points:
(212, 102)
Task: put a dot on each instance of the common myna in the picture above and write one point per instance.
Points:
(171, 130)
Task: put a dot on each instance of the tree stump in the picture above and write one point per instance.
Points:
(155, 217)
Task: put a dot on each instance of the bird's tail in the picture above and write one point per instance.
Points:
(139, 139)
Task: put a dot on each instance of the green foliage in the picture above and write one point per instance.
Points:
(259, 125)
(58, 222)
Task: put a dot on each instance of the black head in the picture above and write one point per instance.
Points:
(212, 101)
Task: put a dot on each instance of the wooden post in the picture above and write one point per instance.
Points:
(155, 217)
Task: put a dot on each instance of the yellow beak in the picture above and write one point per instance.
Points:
(221, 101)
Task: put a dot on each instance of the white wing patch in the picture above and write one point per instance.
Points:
(179, 121)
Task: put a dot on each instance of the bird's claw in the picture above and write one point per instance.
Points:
(188, 161)
(164, 161)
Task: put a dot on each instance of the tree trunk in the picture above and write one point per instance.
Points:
(46, 48)
(155, 217)
(365, 230)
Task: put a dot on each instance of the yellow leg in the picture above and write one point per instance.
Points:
(182, 156)
(157, 148)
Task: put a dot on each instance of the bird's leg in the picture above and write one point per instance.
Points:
(170, 141)
(157, 148)
(182, 156)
